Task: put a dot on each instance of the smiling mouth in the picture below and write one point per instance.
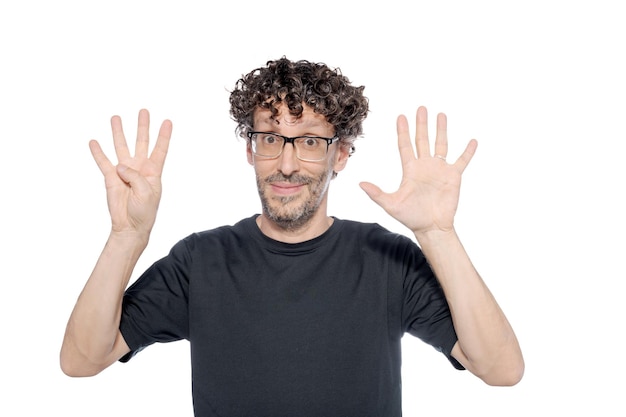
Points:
(286, 188)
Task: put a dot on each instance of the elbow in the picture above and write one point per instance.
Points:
(75, 370)
(505, 376)
(70, 371)
(73, 364)
(504, 380)
(504, 368)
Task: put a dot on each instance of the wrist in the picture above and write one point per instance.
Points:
(129, 239)
(436, 236)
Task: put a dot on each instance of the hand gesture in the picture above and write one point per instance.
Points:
(428, 195)
(134, 184)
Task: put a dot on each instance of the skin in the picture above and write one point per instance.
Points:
(426, 202)
(294, 193)
(294, 209)
(92, 339)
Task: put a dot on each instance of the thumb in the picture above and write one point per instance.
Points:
(373, 191)
(132, 178)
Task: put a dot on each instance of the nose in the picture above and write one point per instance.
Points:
(288, 162)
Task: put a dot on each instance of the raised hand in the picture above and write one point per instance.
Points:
(134, 184)
(428, 195)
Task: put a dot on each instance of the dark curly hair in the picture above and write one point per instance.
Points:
(325, 90)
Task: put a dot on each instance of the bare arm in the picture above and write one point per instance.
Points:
(426, 203)
(487, 345)
(92, 339)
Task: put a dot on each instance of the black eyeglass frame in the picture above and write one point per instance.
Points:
(287, 139)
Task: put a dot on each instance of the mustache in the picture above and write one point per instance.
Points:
(293, 179)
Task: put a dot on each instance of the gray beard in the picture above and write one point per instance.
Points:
(297, 217)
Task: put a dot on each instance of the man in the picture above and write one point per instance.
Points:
(293, 312)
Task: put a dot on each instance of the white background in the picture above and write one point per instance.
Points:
(540, 84)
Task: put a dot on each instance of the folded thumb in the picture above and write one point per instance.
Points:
(128, 175)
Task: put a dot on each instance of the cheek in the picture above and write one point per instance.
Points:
(262, 167)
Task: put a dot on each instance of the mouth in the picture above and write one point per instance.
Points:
(286, 188)
(287, 185)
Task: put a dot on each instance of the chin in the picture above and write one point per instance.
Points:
(290, 219)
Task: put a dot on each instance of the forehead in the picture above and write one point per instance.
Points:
(308, 119)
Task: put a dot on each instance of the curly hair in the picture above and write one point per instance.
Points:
(299, 83)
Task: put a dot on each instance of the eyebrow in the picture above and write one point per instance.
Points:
(310, 123)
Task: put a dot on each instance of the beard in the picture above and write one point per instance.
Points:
(287, 211)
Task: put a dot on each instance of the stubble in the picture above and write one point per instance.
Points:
(286, 211)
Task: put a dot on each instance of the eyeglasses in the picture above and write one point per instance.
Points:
(308, 148)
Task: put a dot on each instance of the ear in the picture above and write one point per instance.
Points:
(341, 156)
(249, 153)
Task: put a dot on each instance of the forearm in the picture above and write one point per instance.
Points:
(92, 340)
(487, 344)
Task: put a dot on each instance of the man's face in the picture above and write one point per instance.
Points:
(292, 191)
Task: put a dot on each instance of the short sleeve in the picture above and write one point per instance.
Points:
(155, 307)
(426, 314)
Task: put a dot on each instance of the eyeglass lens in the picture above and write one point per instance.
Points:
(307, 147)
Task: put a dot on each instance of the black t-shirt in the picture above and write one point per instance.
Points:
(277, 329)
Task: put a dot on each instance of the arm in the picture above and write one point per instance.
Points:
(426, 203)
(92, 339)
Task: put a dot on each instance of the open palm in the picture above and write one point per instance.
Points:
(428, 195)
(134, 184)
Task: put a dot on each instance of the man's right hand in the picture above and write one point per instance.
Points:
(134, 184)
(92, 338)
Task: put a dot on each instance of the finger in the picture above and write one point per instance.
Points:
(407, 153)
(101, 159)
(441, 140)
(143, 134)
(421, 133)
(374, 192)
(467, 155)
(134, 179)
(119, 140)
(162, 144)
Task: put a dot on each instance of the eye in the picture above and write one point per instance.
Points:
(267, 139)
(310, 142)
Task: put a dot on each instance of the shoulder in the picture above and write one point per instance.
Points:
(374, 235)
(369, 229)
(222, 236)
